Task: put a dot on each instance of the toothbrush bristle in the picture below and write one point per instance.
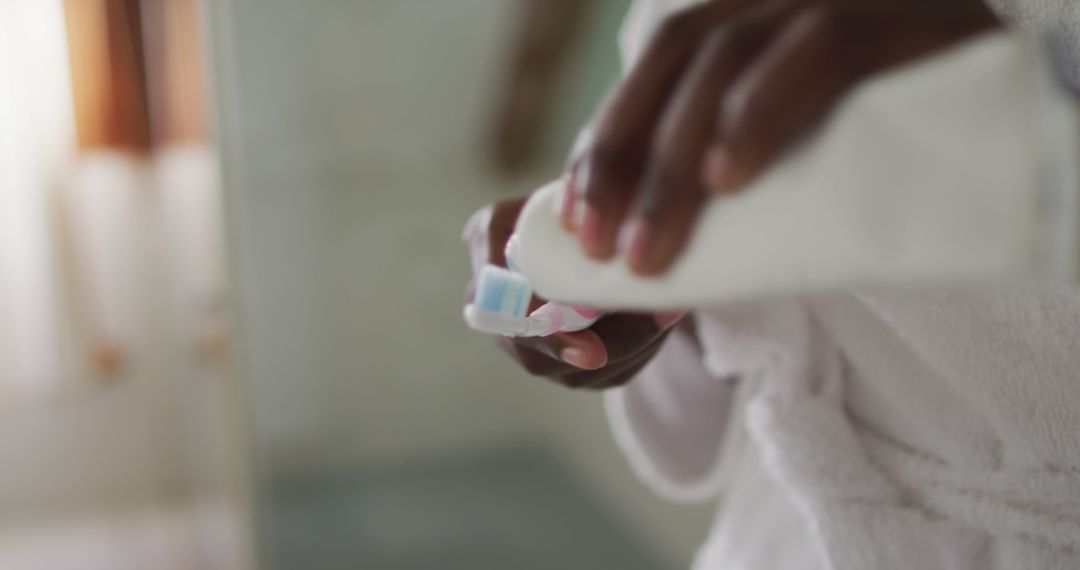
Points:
(502, 291)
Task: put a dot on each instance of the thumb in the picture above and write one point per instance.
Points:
(580, 349)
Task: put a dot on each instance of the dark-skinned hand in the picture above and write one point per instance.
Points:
(719, 93)
(607, 354)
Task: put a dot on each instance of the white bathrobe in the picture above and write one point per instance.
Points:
(872, 429)
(901, 427)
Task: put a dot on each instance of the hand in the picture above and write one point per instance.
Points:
(720, 92)
(607, 354)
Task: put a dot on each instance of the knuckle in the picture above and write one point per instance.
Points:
(666, 183)
(680, 25)
(750, 123)
(608, 159)
(837, 35)
(664, 180)
(719, 41)
(823, 18)
(748, 112)
(612, 167)
(652, 210)
(829, 26)
(726, 42)
(669, 177)
(739, 106)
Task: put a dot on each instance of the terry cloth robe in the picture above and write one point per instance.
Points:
(849, 421)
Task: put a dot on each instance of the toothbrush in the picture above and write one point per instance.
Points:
(502, 301)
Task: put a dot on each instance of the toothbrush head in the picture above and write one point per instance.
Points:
(501, 300)
(502, 291)
(500, 303)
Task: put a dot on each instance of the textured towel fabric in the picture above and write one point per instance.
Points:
(1056, 21)
(853, 422)
(874, 428)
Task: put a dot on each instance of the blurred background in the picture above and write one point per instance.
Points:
(231, 281)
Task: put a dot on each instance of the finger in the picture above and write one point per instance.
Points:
(672, 193)
(628, 363)
(504, 217)
(624, 334)
(795, 82)
(568, 202)
(568, 213)
(631, 340)
(814, 61)
(609, 377)
(919, 28)
(535, 363)
(608, 174)
(610, 341)
(581, 349)
(553, 357)
(625, 371)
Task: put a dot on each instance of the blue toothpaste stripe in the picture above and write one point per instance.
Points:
(502, 291)
(520, 300)
(490, 291)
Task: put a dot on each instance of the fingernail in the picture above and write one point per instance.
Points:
(626, 235)
(638, 241)
(581, 178)
(575, 356)
(578, 215)
(666, 319)
(718, 170)
(591, 232)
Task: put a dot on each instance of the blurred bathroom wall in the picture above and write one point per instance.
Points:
(357, 139)
(121, 435)
(352, 135)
